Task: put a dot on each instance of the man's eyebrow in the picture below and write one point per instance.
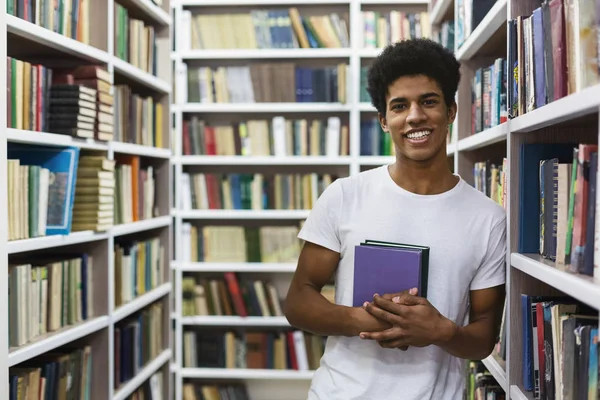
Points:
(423, 96)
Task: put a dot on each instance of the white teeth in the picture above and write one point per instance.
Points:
(418, 135)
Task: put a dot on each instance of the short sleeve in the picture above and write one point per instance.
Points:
(322, 225)
(492, 271)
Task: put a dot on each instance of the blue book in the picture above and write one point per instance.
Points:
(62, 164)
(385, 267)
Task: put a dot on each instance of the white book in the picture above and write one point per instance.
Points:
(279, 136)
(333, 137)
(300, 347)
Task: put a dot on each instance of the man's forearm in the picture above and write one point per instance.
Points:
(472, 342)
(308, 310)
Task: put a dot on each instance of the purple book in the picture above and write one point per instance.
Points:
(382, 270)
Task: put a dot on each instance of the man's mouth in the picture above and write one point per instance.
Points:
(418, 134)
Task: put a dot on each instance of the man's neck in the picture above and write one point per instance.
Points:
(426, 178)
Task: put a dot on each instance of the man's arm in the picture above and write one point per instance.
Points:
(307, 309)
(476, 340)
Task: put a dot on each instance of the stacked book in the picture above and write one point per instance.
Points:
(94, 194)
(72, 110)
(81, 103)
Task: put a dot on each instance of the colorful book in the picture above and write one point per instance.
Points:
(385, 267)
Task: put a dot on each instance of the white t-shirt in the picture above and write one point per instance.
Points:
(466, 233)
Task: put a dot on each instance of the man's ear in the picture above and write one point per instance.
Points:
(383, 122)
(452, 112)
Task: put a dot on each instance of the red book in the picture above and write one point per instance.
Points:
(236, 294)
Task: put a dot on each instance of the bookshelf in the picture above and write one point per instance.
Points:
(92, 41)
(573, 117)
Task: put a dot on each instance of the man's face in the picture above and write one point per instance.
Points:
(417, 117)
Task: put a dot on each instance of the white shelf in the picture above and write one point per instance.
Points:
(366, 107)
(262, 108)
(152, 11)
(209, 320)
(485, 138)
(567, 108)
(48, 242)
(488, 26)
(62, 44)
(231, 373)
(139, 150)
(243, 214)
(142, 376)
(517, 394)
(497, 371)
(141, 226)
(291, 3)
(235, 267)
(579, 287)
(53, 139)
(140, 302)
(261, 160)
(450, 149)
(369, 53)
(439, 11)
(56, 339)
(134, 73)
(249, 54)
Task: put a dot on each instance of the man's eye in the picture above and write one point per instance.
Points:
(430, 102)
(398, 106)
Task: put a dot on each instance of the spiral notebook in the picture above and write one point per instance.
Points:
(386, 267)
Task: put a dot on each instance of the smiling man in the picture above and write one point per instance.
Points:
(403, 346)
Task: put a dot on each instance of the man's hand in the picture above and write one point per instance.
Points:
(365, 322)
(414, 322)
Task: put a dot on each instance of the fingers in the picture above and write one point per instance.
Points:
(390, 306)
(383, 336)
(394, 344)
(380, 313)
(390, 296)
(408, 299)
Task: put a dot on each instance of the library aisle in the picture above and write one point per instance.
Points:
(161, 157)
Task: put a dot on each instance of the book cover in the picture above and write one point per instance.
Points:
(381, 267)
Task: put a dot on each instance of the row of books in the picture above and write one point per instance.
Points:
(247, 191)
(135, 190)
(138, 118)
(445, 34)
(278, 137)
(488, 96)
(66, 17)
(373, 140)
(230, 295)
(491, 179)
(265, 244)
(75, 101)
(220, 391)
(481, 384)
(555, 53)
(559, 347)
(137, 340)
(274, 82)
(65, 373)
(278, 350)
(134, 41)
(381, 29)
(46, 296)
(567, 194)
(469, 14)
(139, 268)
(264, 29)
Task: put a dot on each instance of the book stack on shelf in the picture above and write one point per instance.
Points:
(59, 227)
(93, 208)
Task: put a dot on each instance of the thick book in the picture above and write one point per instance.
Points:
(385, 267)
